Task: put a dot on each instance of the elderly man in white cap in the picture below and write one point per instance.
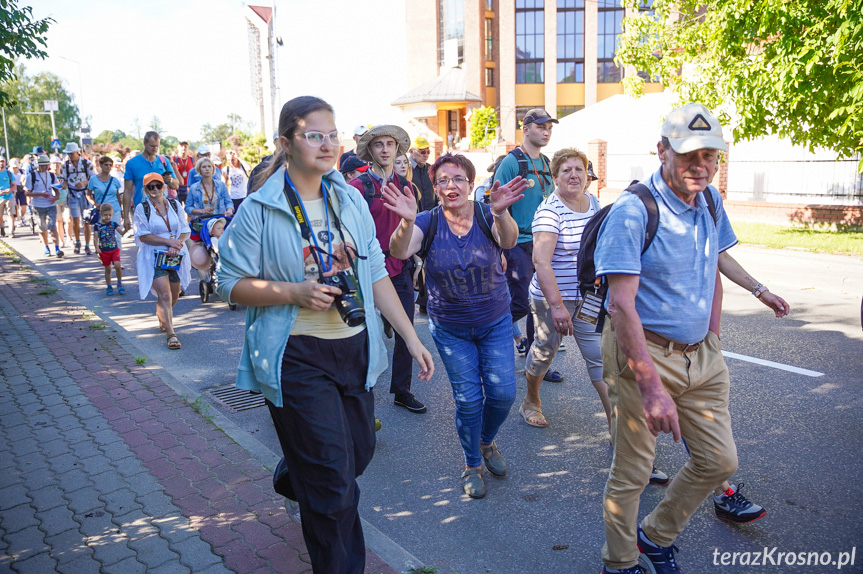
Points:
(660, 351)
(77, 172)
(380, 146)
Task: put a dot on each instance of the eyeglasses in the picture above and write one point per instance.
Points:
(423, 151)
(152, 186)
(444, 182)
(316, 139)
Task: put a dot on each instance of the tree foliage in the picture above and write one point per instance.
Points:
(789, 68)
(28, 93)
(20, 36)
(482, 124)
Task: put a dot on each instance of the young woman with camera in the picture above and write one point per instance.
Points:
(303, 256)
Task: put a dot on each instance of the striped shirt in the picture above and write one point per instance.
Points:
(552, 216)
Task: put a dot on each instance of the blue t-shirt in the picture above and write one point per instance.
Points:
(98, 187)
(464, 278)
(138, 167)
(106, 232)
(6, 179)
(525, 208)
(678, 270)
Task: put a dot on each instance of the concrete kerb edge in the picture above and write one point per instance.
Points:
(377, 541)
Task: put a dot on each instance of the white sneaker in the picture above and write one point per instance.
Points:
(562, 347)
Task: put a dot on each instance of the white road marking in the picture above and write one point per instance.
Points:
(779, 366)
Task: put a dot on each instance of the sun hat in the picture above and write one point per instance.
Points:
(211, 223)
(37, 149)
(151, 177)
(71, 147)
(14, 162)
(43, 160)
(693, 127)
(403, 140)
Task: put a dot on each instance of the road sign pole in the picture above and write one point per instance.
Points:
(53, 127)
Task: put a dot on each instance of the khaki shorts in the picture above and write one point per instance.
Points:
(47, 218)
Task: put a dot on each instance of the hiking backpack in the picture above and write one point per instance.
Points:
(587, 279)
(428, 239)
(523, 161)
(146, 205)
(369, 187)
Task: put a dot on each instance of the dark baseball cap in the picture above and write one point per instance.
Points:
(353, 163)
(590, 172)
(538, 116)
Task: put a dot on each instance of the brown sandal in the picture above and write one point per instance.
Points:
(174, 342)
(532, 415)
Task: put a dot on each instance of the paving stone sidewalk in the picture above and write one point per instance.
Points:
(104, 468)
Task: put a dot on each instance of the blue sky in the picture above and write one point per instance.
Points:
(350, 52)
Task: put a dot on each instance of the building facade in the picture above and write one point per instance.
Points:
(511, 55)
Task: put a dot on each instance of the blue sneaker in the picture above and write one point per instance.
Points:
(661, 559)
(634, 570)
(47, 252)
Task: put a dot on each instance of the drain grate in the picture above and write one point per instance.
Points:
(236, 400)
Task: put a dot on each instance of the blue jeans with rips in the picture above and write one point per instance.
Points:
(480, 364)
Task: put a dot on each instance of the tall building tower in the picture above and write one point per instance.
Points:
(262, 65)
(512, 55)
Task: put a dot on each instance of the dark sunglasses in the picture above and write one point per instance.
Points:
(152, 186)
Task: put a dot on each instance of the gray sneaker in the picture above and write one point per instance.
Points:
(292, 507)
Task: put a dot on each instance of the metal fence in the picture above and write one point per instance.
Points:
(833, 182)
(818, 181)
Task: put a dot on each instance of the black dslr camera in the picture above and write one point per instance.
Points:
(347, 303)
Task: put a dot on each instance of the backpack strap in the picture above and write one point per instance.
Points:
(428, 238)
(711, 204)
(643, 193)
(368, 187)
(146, 206)
(479, 215)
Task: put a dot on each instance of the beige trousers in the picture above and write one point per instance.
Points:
(698, 383)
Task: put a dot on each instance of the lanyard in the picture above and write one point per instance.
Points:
(166, 218)
(209, 198)
(541, 179)
(305, 228)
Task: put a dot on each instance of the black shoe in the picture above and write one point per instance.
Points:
(553, 377)
(410, 402)
(522, 346)
(77, 250)
(388, 330)
(87, 250)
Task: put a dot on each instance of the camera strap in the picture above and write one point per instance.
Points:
(299, 211)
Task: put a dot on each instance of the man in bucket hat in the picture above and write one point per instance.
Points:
(663, 328)
(380, 146)
(77, 172)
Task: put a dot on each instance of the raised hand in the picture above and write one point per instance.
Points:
(402, 203)
(502, 196)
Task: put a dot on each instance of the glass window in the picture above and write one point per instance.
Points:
(489, 39)
(529, 42)
(563, 111)
(570, 41)
(489, 77)
(609, 27)
(451, 26)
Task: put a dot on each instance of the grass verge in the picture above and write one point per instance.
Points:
(815, 240)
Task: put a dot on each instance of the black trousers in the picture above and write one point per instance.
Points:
(402, 372)
(519, 272)
(327, 432)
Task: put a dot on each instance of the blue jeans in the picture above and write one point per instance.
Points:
(480, 364)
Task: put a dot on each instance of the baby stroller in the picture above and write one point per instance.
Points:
(207, 284)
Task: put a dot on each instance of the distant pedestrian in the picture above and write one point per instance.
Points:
(7, 198)
(107, 247)
(77, 171)
(236, 178)
(64, 221)
(185, 164)
(20, 192)
(160, 232)
(43, 189)
(420, 154)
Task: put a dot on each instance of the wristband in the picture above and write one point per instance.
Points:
(495, 215)
(760, 290)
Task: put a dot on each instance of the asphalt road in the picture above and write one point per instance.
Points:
(798, 435)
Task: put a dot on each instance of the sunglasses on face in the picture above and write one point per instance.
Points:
(153, 186)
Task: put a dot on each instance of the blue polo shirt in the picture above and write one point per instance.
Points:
(138, 167)
(678, 270)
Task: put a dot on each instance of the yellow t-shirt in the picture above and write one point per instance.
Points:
(324, 324)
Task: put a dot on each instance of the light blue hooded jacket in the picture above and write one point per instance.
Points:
(264, 241)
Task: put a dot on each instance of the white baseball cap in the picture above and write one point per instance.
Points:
(360, 130)
(693, 127)
(202, 149)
